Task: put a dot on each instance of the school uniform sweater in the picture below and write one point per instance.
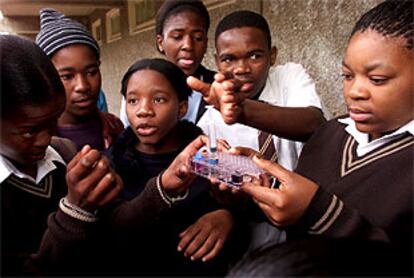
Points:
(154, 248)
(25, 207)
(368, 196)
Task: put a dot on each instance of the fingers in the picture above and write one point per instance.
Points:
(243, 151)
(82, 165)
(273, 168)
(106, 190)
(262, 194)
(214, 251)
(222, 145)
(198, 85)
(77, 157)
(187, 236)
(81, 188)
(209, 249)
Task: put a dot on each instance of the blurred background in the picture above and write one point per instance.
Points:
(310, 32)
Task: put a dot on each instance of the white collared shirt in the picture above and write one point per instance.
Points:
(364, 145)
(44, 166)
(287, 85)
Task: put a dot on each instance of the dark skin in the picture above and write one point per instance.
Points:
(244, 67)
(27, 133)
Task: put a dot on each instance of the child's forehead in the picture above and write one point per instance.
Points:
(188, 17)
(383, 45)
(150, 79)
(248, 32)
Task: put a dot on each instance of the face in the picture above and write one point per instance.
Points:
(184, 40)
(153, 110)
(244, 54)
(26, 134)
(78, 69)
(378, 83)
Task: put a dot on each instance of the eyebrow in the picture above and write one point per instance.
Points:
(368, 67)
(182, 30)
(258, 50)
(94, 65)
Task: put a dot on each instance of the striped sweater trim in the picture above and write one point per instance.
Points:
(328, 218)
(351, 163)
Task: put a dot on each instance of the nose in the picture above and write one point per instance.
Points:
(43, 137)
(188, 43)
(242, 67)
(357, 90)
(82, 83)
(145, 109)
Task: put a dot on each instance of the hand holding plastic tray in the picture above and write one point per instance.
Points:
(230, 169)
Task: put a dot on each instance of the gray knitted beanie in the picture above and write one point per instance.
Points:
(58, 31)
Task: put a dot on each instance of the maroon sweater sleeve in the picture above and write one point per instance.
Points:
(69, 246)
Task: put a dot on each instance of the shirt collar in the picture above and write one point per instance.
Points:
(44, 166)
(364, 145)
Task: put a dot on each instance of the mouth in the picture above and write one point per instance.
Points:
(359, 115)
(86, 102)
(38, 155)
(186, 62)
(146, 130)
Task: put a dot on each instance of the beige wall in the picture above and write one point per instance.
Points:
(119, 55)
(310, 32)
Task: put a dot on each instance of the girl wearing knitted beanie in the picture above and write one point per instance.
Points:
(75, 54)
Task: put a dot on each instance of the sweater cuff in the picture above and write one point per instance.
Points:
(322, 212)
(70, 224)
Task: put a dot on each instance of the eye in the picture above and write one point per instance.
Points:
(66, 77)
(92, 72)
(132, 101)
(378, 80)
(176, 37)
(199, 38)
(255, 56)
(28, 134)
(227, 59)
(160, 100)
(346, 76)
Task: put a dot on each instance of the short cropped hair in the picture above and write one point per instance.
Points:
(244, 18)
(392, 18)
(28, 77)
(173, 7)
(170, 71)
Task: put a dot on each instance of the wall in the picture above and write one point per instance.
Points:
(314, 33)
(119, 55)
(310, 32)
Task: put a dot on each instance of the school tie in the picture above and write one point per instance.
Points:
(267, 146)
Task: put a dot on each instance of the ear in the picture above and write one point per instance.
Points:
(182, 108)
(160, 40)
(273, 55)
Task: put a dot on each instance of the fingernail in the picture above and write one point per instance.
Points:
(85, 149)
(179, 249)
(192, 258)
(109, 176)
(85, 162)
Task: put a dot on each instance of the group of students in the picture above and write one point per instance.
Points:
(117, 201)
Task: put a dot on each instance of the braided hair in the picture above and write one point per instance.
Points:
(393, 18)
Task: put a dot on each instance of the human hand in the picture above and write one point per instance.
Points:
(225, 93)
(178, 176)
(91, 181)
(244, 151)
(205, 238)
(287, 203)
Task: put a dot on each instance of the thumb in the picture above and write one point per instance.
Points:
(198, 85)
(273, 168)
